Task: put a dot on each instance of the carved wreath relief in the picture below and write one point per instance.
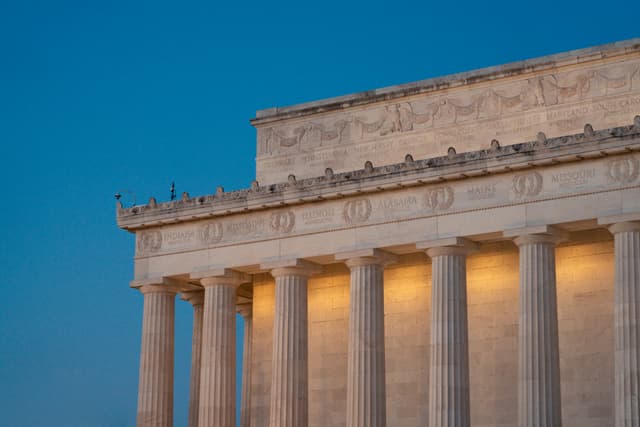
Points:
(439, 198)
(357, 211)
(623, 170)
(210, 233)
(283, 222)
(149, 241)
(527, 184)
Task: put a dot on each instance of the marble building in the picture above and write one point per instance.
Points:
(459, 251)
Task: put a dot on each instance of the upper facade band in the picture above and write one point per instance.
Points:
(547, 142)
(572, 180)
(555, 94)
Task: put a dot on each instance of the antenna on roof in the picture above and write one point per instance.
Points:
(173, 190)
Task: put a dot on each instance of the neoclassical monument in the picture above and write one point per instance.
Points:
(459, 251)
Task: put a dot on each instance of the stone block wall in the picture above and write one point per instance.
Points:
(585, 322)
(492, 298)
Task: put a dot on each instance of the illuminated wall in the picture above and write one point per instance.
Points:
(585, 312)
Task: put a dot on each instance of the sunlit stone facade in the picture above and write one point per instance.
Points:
(461, 251)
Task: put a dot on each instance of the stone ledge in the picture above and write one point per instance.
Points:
(447, 82)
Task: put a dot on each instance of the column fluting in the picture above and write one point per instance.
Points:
(155, 389)
(196, 298)
(246, 312)
(539, 402)
(289, 376)
(366, 403)
(627, 323)
(449, 358)
(218, 363)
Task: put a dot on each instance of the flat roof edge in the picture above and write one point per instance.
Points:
(452, 80)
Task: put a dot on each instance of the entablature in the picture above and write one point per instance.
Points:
(570, 183)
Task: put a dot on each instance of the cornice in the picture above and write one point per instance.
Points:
(455, 166)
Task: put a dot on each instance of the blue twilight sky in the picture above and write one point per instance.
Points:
(97, 97)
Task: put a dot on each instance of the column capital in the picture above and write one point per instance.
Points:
(194, 297)
(536, 234)
(221, 276)
(291, 267)
(157, 285)
(359, 257)
(620, 227)
(448, 246)
(612, 220)
(245, 310)
(624, 226)
(158, 289)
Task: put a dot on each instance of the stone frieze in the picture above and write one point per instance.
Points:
(507, 189)
(556, 102)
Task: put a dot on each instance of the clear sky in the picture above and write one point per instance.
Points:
(104, 96)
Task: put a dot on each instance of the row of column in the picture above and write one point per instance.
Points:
(212, 388)
(212, 400)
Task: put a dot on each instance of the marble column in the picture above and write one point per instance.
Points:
(217, 406)
(449, 358)
(289, 376)
(627, 323)
(539, 402)
(196, 298)
(155, 387)
(366, 403)
(246, 311)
